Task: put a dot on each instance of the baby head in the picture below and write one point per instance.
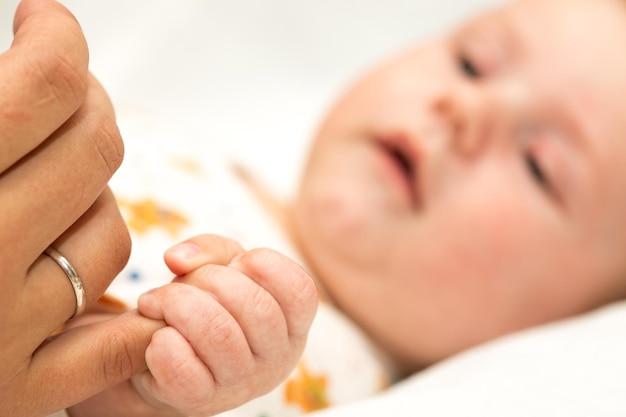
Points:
(476, 185)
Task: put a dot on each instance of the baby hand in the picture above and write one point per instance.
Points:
(237, 323)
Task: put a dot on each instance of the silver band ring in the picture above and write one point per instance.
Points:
(69, 270)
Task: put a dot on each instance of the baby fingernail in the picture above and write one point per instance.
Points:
(185, 250)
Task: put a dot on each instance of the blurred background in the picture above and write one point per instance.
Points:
(244, 77)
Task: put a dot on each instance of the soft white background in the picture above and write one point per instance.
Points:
(250, 77)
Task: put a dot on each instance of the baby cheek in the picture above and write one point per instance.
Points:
(345, 204)
(487, 242)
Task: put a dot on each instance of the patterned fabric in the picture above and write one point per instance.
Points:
(166, 196)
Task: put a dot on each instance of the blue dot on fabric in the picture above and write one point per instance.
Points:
(134, 275)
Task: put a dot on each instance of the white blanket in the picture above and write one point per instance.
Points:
(250, 79)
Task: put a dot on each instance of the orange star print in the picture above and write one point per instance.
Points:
(147, 214)
(307, 390)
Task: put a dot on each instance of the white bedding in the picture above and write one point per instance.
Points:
(251, 79)
(575, 368)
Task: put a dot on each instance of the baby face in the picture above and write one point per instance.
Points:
(476, 185)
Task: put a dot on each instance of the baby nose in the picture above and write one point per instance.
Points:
(482, 117)
(466, 114)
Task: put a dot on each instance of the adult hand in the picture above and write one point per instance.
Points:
(59, 145)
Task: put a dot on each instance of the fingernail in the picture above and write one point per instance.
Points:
(185, 250)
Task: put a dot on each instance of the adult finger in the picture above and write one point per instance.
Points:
(81, 362)
(47, 191)
(97, 246)
(45, 75)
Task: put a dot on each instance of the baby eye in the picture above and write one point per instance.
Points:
(535, 171)
(468, 67)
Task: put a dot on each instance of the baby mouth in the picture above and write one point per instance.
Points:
(404, 159)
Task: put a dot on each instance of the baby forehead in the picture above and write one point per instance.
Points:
(575, 29)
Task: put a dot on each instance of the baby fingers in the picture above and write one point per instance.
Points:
(201, 250)
(289, 284)
(177, 377)
(208, 325)
(218, 346)
(245, 325)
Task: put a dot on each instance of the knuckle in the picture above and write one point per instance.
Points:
(182, 387)
(261, 304)
(306, 298)
(264, 254)
(262, 261)
(64, 80)
(116, 354)
(227, 248)
(296, 291)
(108, 143)
(113, 246)
(304, 287)
(122, 247)
(178, 375)
(222, 329)
(172, 294)
(269, 261)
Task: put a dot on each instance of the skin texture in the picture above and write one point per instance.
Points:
(237, 323)
(505, 212)
(60, 146)
(505, 208)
